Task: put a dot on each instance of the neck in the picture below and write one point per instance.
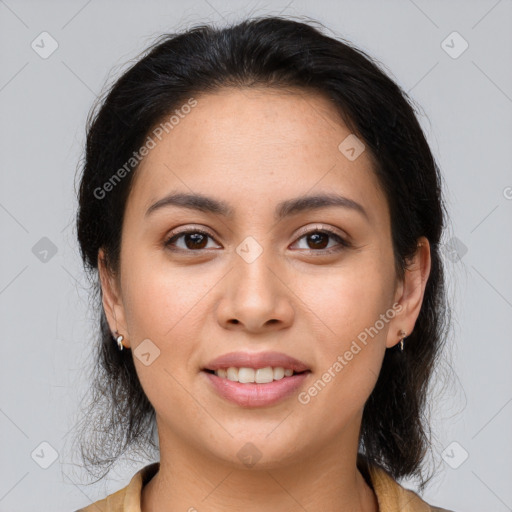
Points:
(325, 479)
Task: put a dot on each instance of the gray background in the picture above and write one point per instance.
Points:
(45, 321)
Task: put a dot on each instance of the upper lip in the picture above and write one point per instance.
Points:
(256, 360)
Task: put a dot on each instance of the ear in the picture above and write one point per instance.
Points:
(112, 300)
(410, 292)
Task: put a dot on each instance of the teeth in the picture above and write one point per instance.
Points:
(259, 376)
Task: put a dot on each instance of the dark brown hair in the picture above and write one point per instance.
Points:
(273, 52)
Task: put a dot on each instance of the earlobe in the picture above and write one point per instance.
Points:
(410, 293)
(112, 301)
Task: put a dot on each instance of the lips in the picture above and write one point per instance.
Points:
(252, 394)
(256, 360)
(256, 395)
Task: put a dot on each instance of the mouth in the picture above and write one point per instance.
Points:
(246, 375)
(240, 386)
(255, 379)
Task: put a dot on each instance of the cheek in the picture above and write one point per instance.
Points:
(163, 304)
(348, 301)
(351, 317)
(349, 353)
(161, 300)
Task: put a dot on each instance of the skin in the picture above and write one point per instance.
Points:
(254, 148)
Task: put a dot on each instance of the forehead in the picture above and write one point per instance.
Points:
(253, 145)
(233, 122)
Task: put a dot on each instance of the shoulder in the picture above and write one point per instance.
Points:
(112, 503)
(392, 496)
(126, 499)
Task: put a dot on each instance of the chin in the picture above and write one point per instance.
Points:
(257, 452)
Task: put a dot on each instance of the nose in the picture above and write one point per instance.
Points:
(255, 297)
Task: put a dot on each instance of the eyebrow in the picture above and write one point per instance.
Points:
(284, 209)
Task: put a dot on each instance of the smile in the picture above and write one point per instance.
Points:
(247, 392)
(259, 375)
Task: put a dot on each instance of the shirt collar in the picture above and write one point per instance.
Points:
(391, 496)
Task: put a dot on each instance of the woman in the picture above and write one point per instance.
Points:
(263, 214)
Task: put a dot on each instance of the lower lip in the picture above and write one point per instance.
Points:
(256, 395)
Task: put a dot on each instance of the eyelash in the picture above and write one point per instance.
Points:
(343, 244)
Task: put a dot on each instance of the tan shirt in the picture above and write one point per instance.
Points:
(391, 496)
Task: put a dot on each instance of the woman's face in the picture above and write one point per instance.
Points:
(269, 271)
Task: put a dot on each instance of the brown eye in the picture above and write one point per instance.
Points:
(318, 241)
(193, 240)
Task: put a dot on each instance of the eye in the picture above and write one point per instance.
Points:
(193, 240)
(317, 240)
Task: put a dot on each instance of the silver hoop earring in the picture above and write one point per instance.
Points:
(119, 339)
(403, 334)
